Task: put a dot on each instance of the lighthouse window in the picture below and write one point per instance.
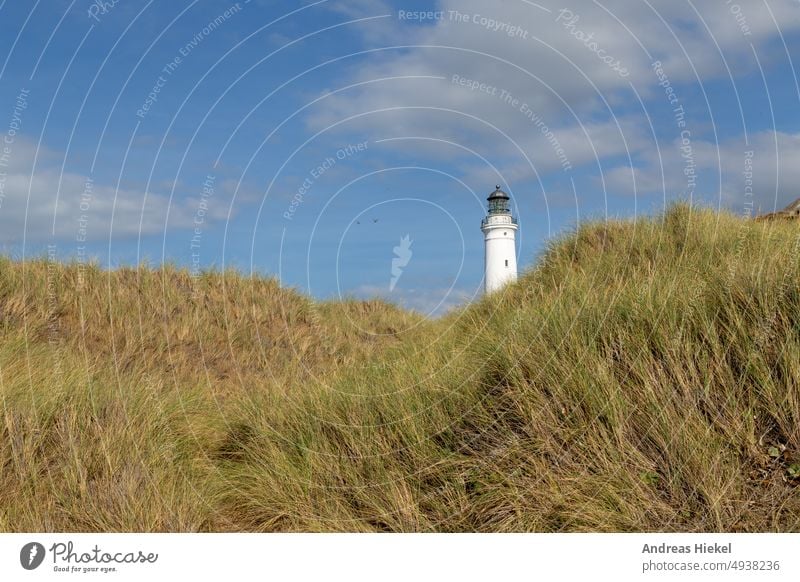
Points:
(506, 262)
(505, 233)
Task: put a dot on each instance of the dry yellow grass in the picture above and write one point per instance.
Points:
(642, 376)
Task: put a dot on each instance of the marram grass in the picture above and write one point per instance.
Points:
(642, 376)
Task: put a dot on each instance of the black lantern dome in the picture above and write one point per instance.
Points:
(498, 202)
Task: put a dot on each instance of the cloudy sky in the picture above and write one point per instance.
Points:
(304, 140)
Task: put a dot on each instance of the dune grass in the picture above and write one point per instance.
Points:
(642, 376)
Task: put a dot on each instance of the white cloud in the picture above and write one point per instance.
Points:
(70, 206)
(360, 8)
(543, 60)
(772, 157)
(569, 69)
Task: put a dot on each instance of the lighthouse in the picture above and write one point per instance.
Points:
(499, 231)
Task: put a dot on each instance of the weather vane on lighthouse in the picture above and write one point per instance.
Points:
(499, 230)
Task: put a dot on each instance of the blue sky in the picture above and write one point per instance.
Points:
(305, 140)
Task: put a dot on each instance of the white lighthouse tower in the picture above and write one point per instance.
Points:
(499, 230)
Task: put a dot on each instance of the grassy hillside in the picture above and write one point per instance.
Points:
(642, 376)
